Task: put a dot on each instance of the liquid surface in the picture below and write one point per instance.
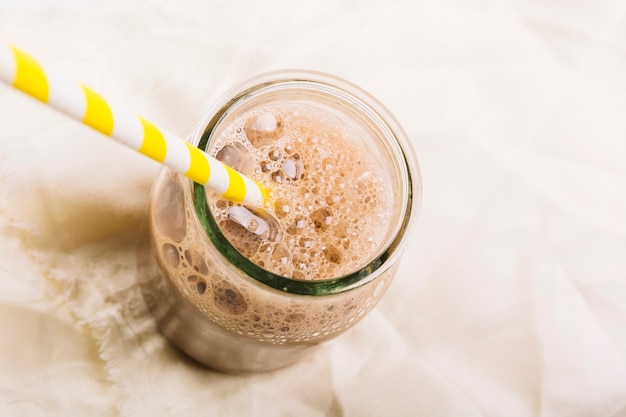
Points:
(329, 213)
(330, 199)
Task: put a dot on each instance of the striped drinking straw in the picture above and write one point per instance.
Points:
(21, 71)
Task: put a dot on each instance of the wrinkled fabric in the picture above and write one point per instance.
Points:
(511, 296)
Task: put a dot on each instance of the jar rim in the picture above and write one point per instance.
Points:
(373, 110)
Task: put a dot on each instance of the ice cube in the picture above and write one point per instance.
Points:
(236, 156)
(263, 129)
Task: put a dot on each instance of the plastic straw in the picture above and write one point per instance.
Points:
(21, 71)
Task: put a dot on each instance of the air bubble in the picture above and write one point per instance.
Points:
(263, 129)
(295, 318)
(228, 299)
(332, 254)
(278, 176)
(274, 155)
(196, 261)
(340, 184)
(322, 219)
(306, 242)
(364, 184)
(170, 255)
(297, 226)
(201, 286)
(304, 193)
(333, 198)
(266, 166)
(221, 204)
(281, 254)
(301, 263)
(289, 148)
(282, 207)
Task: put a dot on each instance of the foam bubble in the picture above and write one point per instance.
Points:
(332, 254)
(274, 155)
(306, 242)
(282, 207)
(265, 166)
(322, 218)
(278, 176)
(201, 287)
(228, 299)
(170, 214)
(170, 255)
(281, 254)
(241, 238)
(196, 262)
(298, 225)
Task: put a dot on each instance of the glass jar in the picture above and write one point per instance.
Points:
(218, 300)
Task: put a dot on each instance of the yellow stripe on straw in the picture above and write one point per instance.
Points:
(200, 169)
(98, 114)
(24, 73)
(153, 144)
(236, 186)
(29, 76)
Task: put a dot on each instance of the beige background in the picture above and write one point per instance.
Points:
(511, 299)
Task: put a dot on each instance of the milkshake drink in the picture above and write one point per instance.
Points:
(248, 289)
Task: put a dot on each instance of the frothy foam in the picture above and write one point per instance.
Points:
(330, 210)
(330, 204)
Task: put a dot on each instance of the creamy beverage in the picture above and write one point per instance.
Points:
(246, 289)
(330, 198)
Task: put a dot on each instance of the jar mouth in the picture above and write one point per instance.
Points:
(346, 95)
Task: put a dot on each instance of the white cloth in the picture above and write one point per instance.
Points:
(511, 298)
